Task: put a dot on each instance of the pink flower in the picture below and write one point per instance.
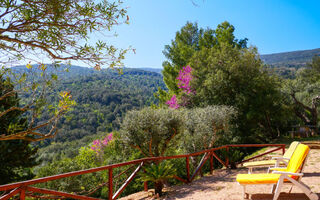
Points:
(173, 103)
(184, 79)
(110, 136)
(98, 145)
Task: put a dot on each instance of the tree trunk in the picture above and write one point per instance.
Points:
(158, 188)
(312, 117)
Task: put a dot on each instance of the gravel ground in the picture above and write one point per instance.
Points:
(222, 186)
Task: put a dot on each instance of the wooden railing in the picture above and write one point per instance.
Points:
(25, 188)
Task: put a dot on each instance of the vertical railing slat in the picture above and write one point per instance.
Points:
(211, 163)
(110, 184)
(227, 156)
(23, 194)
(188, 168)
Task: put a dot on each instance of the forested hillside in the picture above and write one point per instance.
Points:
(102, 98)
(287, 63)
(294, 59)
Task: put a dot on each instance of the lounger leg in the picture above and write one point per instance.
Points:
(245, 195)
(304, 188)
(273, 188)
(290, 189)
(278, 189)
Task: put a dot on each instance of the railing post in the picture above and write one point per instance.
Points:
(145, 184)
(110, 184)
(211, 163)
(23, 194)
(283, 149)
(188, 168)
(227, 156)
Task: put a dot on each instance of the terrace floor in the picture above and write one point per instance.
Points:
(223, 186)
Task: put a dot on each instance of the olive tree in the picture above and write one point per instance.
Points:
(304, 92)
(151, 131)
(204, 127)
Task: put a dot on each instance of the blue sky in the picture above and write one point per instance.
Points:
(271, 25)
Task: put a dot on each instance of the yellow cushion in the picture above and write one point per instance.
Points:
(267, 163)
(258, 178)
(260, 163)
(298, 158)
(288, 154)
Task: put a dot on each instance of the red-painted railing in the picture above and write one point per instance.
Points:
(25, 188)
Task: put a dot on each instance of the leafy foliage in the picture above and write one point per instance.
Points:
(226, 72)
(158, 173)
(93, 184)
(59, 29)
(102, 99)
(84, 160)
(16, 156)
(229, 76)
(34, 85)
(303, 92)
(207, 127)
(151, 131)
(189, 40)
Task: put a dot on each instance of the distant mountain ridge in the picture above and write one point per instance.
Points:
(294, 59)
(66, 72)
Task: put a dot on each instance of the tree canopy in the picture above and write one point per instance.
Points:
(187, 42)
(304, 92)
(224, 72)
(61, 30)
(16, 156)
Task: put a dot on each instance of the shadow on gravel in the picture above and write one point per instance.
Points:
(310, 174)
(283, 196)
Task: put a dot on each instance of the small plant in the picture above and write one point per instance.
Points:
(158, 173)
(234, 156)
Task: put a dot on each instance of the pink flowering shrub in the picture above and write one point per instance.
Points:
(173, 103)
(98, 145)
(184, 79)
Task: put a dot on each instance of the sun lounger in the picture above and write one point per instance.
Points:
(275, 161)
(292, 174)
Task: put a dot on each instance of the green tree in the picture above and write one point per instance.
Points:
(189, 40)
(226, 72)
(16, 156)
(304, 92)
(235, 77)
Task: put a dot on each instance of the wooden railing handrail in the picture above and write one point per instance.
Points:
(16, 187)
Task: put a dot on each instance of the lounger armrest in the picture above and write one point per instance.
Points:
(277, 168)
(271, 156)
(279, 158)
(287, 173)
